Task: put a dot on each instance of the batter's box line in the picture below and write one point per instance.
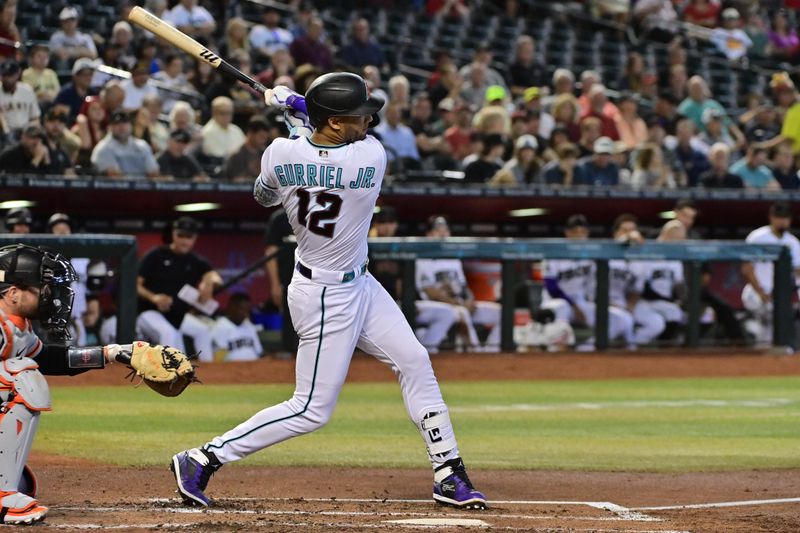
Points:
(624, 513)
(379, 514)
(340, 525)
(738, 503)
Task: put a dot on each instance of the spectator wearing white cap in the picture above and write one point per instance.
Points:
(72, 95)
(68, 43)
(716, 130)
(523, 167)
(599, 169)
(730, 38)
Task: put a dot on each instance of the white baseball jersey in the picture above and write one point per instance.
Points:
(235, 343)
(663, 276)
(764, 269)
(624, 277)
(329, 194)
(444, 273)
(575, 278)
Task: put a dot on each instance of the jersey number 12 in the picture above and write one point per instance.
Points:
(331, 203)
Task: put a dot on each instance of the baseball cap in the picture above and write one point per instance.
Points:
(527, 141)
(434, 221)
(56, 114)
(730, 13)
(34, 130)
(58, 218)
(495, 92)
(604, 145)
(118, 117)
(385, 214)
(181, 136)
(257, 123)
(83, 63)
(577, 221)
(11, 66)
(780, 210)
(186, 225)
(67, 13)
(20, 215)
(532, 93)
(447, 104)
(712, 114)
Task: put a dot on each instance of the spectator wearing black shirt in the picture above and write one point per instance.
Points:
(764, 125)
(718, 177)
(29, 156)
(73, 94)
(525, 71)
(279, 273)
(176, 163)
(666, 112)
(54, 133)
(692, 161)
(245, 164)
(362, 50)
(163, 272)
(784, 169)
(489, 161)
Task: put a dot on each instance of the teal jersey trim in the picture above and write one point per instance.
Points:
(310, 394)
(325, 146)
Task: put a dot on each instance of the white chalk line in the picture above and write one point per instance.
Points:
(387, 514)
(741, 503)
(341, 525)
(428, 501)
(631, 404)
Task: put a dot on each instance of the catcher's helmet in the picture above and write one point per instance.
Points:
(340, 94)
(25, 267)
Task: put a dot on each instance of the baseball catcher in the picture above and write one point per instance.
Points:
(35, 285)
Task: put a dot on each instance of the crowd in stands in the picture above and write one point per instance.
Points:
(125, 105)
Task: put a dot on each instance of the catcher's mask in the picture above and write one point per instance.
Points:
(24, 266)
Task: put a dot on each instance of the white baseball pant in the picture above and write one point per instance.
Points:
(649, 323)
(154, 327)
(670, 311)
(762, 313)
(436, 319)
(620, 321)
(332, 319)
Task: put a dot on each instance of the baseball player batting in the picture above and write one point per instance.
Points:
(328, 181)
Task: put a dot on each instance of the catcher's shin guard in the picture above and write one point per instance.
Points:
(26, 394)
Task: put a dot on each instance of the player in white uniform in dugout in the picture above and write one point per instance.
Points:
(328, 183)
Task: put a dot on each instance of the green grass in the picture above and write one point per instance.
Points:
(370, 426)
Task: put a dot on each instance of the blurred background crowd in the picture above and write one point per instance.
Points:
(629, 93)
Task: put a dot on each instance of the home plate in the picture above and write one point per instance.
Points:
(440, 522)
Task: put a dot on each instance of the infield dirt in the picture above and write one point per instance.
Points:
(86, 495)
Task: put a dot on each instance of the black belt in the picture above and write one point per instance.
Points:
(348, 276)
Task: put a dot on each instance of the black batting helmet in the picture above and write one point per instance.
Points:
(19, 215)
(340, 94)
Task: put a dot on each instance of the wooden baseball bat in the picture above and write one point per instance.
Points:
(145, 19)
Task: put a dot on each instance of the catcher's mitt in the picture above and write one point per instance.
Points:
(166, 370)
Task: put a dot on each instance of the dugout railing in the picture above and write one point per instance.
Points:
(509, 252)
(121, 247)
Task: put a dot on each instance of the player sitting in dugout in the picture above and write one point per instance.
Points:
(35, 285)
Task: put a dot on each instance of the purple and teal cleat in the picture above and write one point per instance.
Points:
(192, 469)
(452, 487)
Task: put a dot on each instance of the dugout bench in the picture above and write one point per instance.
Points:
(512, 251)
